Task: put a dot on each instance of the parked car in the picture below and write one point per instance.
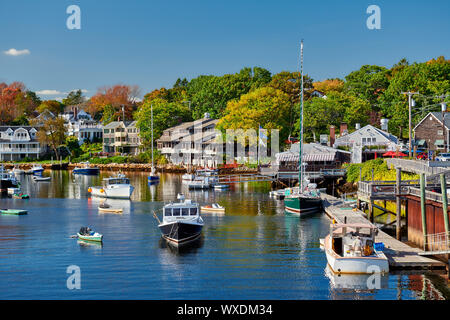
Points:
(443, 157)
(422, 156)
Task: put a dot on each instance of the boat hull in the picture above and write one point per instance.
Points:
(179, 233)
(14, 212)
(212, 210)
(98, 238)
(355, 265)
(87, 171)
(110, 210)
(302, 205)
(115, 192)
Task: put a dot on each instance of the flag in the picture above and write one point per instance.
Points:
(262, 137)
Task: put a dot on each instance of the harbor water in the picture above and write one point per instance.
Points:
(254, 251)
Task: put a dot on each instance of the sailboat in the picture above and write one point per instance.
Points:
(153, 177)
(306, 198)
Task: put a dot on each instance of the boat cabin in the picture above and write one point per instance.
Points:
(185, 209)
(353, 240)
(110, 181)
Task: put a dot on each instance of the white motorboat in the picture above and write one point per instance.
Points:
(17, 171)
(200, 183)
(350, 249)
(221, 187)
(35, 169)
(182, 222)
(7, 180)
(118, 187)
(188, 177)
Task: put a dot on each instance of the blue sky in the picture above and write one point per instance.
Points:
(152, 43)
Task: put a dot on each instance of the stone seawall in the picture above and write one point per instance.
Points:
(131, 167)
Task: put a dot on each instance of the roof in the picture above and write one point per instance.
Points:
(115, 124)
(366, 129)
(438, 116)
(312, 152)
(182, 130)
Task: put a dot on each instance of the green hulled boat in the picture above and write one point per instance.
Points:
(14, 212)
(87, 234)
(302, 200)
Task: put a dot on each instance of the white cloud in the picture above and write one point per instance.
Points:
(14, 52)
(49, 92)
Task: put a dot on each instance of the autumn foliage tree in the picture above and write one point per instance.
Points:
(116, 96)
(16, 102)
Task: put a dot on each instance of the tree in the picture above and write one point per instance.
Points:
(73, 145)
(73, 98)
(116, 96)
(14, 102)
(52, 133)
(212, 93)
(165, 115)
(320, 113)
(290, 83)
(53, 106)
(329, 85)
(266, 107)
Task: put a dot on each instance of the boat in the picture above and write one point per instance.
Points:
(213, 208)
(117, 187)
(153, 177)
(87, 234)
(181, 222)
(40, 179)
(305, 199)
(188, 177)
(7, 180)
(106, 208)
(221, 186)
(350, 249)
(17, 171)
(20, 196)
(86, 169)
(35, 169)
(12, 191)
(200, 183)
(14, 212)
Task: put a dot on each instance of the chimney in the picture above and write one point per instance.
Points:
(358, 126)
(344, 129)
(384, 124)
(332, 135)
(75, 112)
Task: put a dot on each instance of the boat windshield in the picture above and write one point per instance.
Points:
(176, 212)
(118, 181)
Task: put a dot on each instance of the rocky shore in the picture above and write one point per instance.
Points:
(130, 167)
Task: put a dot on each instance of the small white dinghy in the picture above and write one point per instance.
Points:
(40, 179)
(106, 208)
(213, 208)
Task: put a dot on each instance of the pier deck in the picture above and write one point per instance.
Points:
(399, 254)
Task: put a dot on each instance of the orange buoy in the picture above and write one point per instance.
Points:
(89, 189)
(101, 190)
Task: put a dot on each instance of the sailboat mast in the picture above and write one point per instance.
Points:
(151, 111)
(300, 171)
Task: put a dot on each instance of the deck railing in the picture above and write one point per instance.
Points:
(438, 242)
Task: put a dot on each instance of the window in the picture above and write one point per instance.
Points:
(185, 211)
(176, 212)
(193, 211)
(440, 132)
(168, 212)
(106, 130)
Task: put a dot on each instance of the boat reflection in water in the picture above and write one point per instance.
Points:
(342, 286)
(84, 244)
(187, 248)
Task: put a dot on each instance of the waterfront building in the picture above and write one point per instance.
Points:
(367, 143)
(433, 133)
(19, 142)
(191, 143)
(316, 157)
(121, 137)
(80, 124)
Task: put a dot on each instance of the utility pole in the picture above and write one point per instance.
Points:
(410, 105)
(444, 131)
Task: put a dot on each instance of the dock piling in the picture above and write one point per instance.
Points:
(398, 203)
(423, 209)
(444, 202)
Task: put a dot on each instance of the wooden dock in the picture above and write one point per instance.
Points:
(400, 255)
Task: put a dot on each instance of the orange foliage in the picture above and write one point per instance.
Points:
(329, 85)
